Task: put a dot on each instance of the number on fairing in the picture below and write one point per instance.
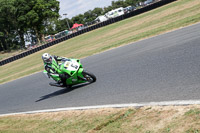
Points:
(75, 66)
(71, 65)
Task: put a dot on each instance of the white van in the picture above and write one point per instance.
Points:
(101, 18)
(115, 13)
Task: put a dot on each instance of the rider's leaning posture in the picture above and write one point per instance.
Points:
(52, 67)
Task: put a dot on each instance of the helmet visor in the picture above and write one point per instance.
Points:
(49, 60)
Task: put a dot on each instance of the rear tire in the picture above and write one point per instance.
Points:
(90, 77)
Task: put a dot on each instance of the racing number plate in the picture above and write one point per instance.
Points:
(71, 65)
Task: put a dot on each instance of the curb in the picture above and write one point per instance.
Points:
(164, 103)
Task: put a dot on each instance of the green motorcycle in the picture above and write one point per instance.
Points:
(74, 69)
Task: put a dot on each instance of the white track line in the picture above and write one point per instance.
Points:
(164, 103)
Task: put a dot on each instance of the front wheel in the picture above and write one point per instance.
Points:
(89, 76)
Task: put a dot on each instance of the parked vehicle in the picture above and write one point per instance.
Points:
(115, 13)
(129, 9)
(61, 34)
(101, 18)
(49, 38)
(147, 2)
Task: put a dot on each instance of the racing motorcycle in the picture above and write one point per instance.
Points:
(74, 69)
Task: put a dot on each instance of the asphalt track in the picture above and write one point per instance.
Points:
(161, 68)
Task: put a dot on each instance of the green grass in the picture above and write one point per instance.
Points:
(193, 112)
(175, 119)
(169, 17)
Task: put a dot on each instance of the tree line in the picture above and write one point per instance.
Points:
(31, 20)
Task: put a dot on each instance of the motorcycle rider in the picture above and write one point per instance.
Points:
(52, 67)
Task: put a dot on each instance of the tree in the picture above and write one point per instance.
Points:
(40, 14)
(62, 24)
(19, 18)
(97, 11)
(78, 19)
(88, 17)
(7, 30)
(119, 3)
(131, 2)
(107, 9)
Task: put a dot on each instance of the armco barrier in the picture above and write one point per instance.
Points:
(66, 37)
(11, 59)
(18, 57)
(26, 53)
(75, 34)
(69, 36)
(30, 52)
(15, 57)
(34, 50)
(110, 21)
(45, 46)
(7, 60)
(78, 33)
(37, 49)
(85, 30)
(2, 62)
(72, 35)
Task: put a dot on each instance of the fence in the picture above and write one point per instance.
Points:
(110, 21)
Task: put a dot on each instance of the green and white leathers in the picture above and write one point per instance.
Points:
(73, 68)
(53, 74)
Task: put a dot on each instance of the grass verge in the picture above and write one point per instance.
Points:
(169, 17)
(176, 119)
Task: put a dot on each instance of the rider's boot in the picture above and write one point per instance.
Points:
(55, 84)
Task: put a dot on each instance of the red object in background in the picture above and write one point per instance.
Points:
(76, 25)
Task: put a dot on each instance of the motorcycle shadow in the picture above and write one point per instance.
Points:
(61, 92)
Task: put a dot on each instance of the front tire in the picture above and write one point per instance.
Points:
(90, 77)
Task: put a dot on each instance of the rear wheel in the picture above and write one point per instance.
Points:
(89, 76)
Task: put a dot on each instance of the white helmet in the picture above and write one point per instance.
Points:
(47, 58)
